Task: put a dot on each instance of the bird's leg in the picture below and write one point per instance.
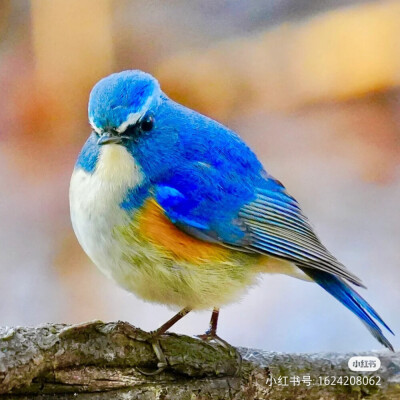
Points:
(211, 334)
(162, 360)
(164, 327)
(212, 330)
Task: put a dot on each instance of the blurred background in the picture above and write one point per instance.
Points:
(312, 86)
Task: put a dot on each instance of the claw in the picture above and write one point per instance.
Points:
(209, 336)
(162, 360)
(155, 342)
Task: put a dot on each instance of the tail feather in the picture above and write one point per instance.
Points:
(352, 300)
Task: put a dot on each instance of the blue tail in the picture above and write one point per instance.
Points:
(352, 300)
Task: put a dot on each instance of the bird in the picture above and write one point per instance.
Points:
(176, 208)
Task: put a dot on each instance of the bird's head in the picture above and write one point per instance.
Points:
(122, 106)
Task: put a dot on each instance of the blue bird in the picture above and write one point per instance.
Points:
(176, 208)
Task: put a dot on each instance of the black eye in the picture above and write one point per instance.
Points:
(147, 123)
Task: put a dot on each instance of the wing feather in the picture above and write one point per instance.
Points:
(278, 227)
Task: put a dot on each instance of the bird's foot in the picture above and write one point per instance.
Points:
(162, 359)
(212, 336)
(155, 342)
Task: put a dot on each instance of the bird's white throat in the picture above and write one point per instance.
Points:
(118, 167)
(95, 200)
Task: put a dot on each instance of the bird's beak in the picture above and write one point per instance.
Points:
(108, 138)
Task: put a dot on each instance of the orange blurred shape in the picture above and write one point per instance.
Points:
(41, 113)
(203, 87)
(73, 49)
(336, 55)
(72, 42)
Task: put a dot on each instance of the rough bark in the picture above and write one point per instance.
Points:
(101, 361)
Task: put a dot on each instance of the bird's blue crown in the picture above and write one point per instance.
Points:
(121, 99)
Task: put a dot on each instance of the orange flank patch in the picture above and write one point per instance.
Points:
(156, 227)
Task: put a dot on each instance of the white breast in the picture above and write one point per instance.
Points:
(94, 203)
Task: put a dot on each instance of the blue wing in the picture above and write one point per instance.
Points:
(235, 213)
(199, 202)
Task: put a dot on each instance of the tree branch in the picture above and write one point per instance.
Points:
(100, 361)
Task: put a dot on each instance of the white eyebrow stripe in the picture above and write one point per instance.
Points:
(131, 120)
(134, 117)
